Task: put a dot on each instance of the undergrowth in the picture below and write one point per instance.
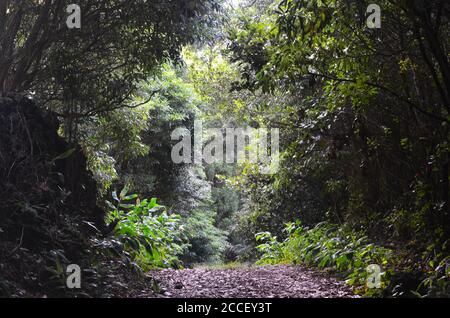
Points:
(150, 235)
(327, 246)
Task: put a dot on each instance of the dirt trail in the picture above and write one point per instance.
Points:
(266, 281)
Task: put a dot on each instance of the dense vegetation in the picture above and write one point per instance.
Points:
(363, 113)
(366, 138)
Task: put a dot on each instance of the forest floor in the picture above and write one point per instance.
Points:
(279, 281)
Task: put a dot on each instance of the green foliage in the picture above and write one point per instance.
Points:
(207, 242)
(170, 102)
(131, 145)
(358, 148)
(112, 140)
(96, 66)
(437, 282)
(326, 246)
(149, 233)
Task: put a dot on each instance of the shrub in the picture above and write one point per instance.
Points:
(149, 233)
(437, 277)
(207, 243)
(327, 246)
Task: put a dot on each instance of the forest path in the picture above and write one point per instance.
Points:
(264, 281)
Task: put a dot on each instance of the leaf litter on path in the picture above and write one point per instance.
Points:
(280, 281)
